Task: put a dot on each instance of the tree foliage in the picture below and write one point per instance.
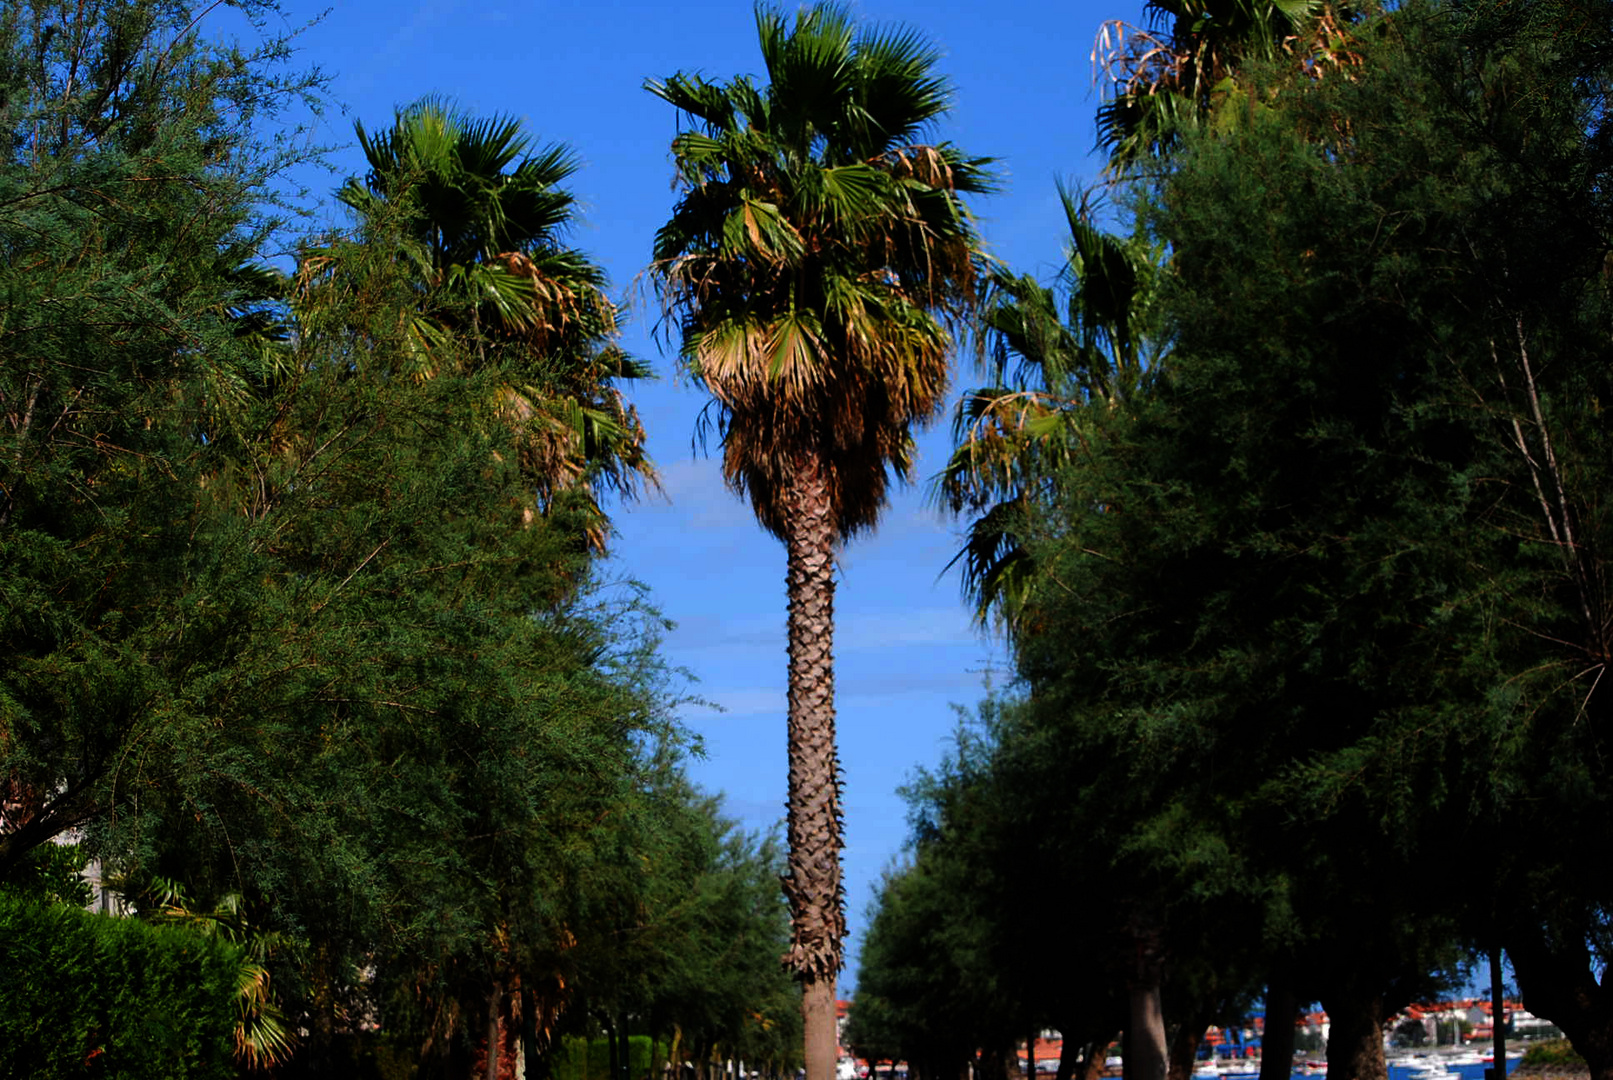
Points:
(1302, 612)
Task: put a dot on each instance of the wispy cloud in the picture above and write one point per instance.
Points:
(739, 702)
(854, 631)
(910, 626)
(697, 498)
(382, 60)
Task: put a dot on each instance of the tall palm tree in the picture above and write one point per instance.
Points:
(482, 217)
(813, 267)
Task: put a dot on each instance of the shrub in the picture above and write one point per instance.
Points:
(1553, 1052)
(589, 1059)
(92, 995)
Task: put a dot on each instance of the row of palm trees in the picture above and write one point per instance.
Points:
(818, 269)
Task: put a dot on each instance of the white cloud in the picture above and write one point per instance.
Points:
(742, 701)
(915, 626)
(696, 497)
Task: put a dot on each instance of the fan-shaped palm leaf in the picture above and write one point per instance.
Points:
(1055, 355)
(483, 216)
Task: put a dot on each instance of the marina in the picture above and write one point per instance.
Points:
(1460, 1065)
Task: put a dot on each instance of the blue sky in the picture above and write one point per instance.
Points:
(906, 654)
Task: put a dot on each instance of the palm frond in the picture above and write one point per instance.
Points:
(818, 254)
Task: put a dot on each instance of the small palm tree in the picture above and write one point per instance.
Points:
(482, 218)
(812, 270)
(1057, 355)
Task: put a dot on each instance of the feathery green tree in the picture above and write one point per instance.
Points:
(133, 200)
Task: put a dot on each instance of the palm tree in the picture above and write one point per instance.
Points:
(482, 218)
(813, 267)
(1057, 357)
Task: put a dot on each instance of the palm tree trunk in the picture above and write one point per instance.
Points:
(812, 885)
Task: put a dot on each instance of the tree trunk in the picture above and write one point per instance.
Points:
(1145, 1038)
(1097, 1058)
(1069, 1057)
(1277, 1043)
(1355, 1035)
(674, 1063)
(1498, 1028)
(495, 1058)
(1184, 1048)
(531, 1065)
(1556, 983)
(812, 883)
(1145, 1034)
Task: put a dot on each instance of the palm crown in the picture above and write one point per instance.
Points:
(818, 256)
(481, 215)
(1170, 77)
(1058, 357)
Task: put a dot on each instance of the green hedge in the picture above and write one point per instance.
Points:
(85, 995)
(589, 1059)
(1553, 1053)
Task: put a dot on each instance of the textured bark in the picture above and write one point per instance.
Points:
(818, 1012)
(1277, 1042)
(812, 884)
(1355, 1035)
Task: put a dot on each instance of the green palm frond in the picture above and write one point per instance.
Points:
(263, 1037)
(1059, 356)
(819, 255)
(480, 215)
